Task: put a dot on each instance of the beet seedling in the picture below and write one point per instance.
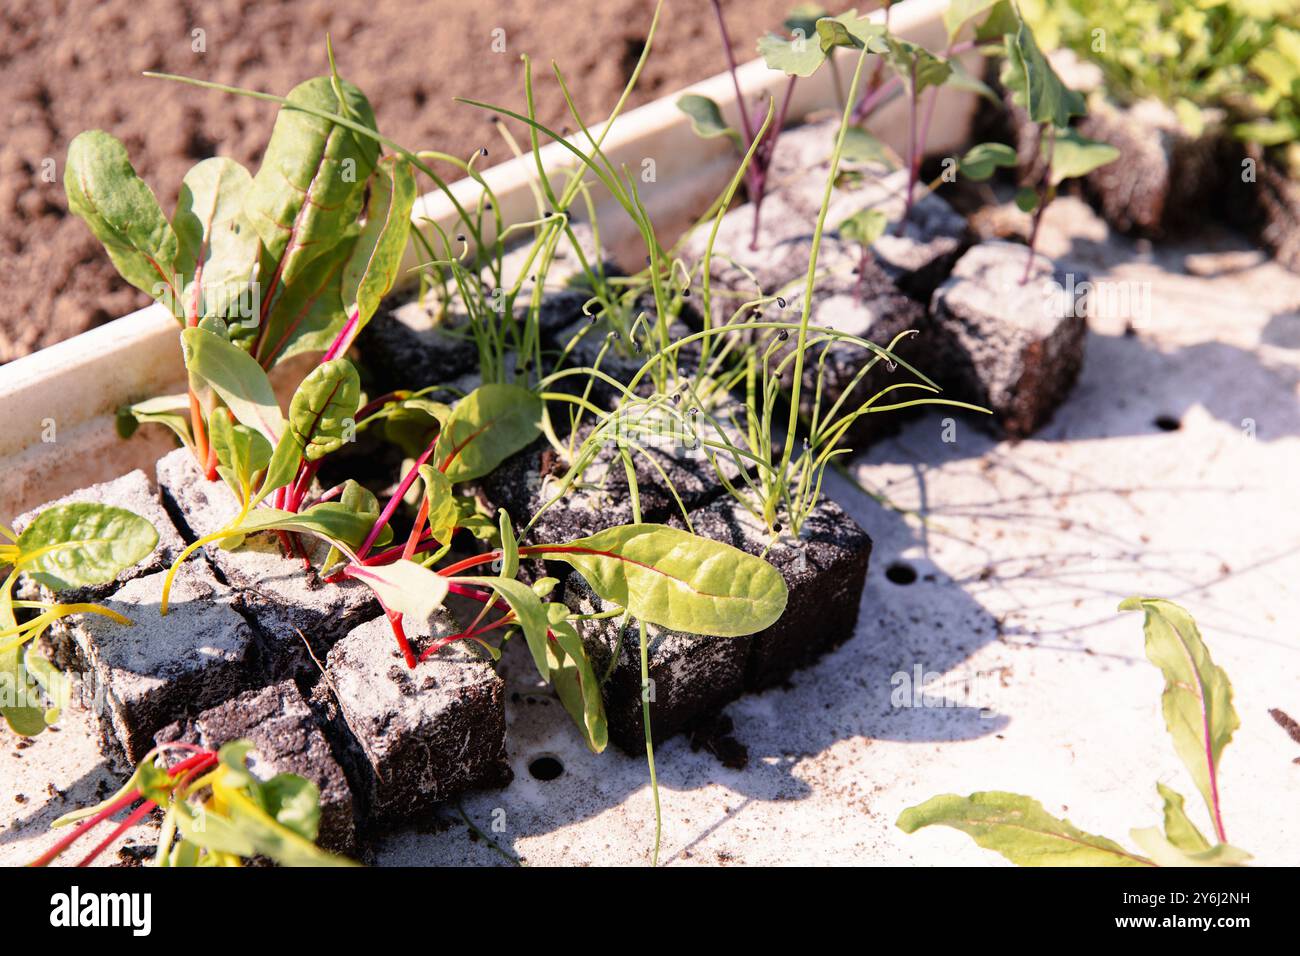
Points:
(66, 546)
(1198, 711)
(1047, 101)
(706, 116)
(215, 812)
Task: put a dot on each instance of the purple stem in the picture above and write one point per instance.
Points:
(1042, 202)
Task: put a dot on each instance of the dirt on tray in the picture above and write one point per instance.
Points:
(70, 66)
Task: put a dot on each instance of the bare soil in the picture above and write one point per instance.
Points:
(74, 65)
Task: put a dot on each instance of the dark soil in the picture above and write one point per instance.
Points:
(74, 65)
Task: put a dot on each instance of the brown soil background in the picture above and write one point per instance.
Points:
(70, 66)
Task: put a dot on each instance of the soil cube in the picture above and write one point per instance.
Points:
(691, 675)
(415, 737)
(916, 257)
(136, 492)
(283, 596)
(1014, 349)
(286, 739)
(1166, 177)
(824, 568)
(161, 669)
(410, 346)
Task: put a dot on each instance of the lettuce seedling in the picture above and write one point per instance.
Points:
(66, 546)
(1198, 711)
(215, 812)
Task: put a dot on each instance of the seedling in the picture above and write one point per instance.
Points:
(1198, 711)
(294, 259)
(706, 115)
(1047, 101)
(1241, 58)
(215, 812)
(64, 547)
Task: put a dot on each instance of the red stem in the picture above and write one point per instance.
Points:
(395, 500)
(139, 813)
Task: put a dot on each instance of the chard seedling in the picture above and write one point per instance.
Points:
(215, 812)
(65, 546)
(1197, 707)
(293, 259)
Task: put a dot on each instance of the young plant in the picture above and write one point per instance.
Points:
(1239, 56)
(1036, 88)
(66, 546)
(1198, 711)
(706, 115)
(291, 260)
(215, 812)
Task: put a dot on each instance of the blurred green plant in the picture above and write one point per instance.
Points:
(1242, 56)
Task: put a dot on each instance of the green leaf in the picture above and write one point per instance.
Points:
(1002, 20)
(54, 683)
(1018, 828)
(961, 79)
(412, 423)
(444, 512)
(485, 428)
(800, 56)
(241, 453)
(322, 416)
(677, 580)
(234, 375)
(1163, 852)
(1074, 155)
(916, 66)
(307, 316)
(121, 210)
(170, 411)
(1026, 199)
(312, 180)
(851, 31)
(19, 703)
(376, 257)
(361, 501)
(1033, 83)
(862, 147)
(218, 247)
(1179, 830)
(864, 227)
(323, 410)
(76, 545)
(980, 160)
(331, 520)
(404, 587)
(1197, 699)
(574, 680)
(293, 802)
(961, 12)
(706, 118)
(509, 546)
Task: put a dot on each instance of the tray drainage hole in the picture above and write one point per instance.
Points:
(1167, 423)
(545, 768)
(900, 572)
